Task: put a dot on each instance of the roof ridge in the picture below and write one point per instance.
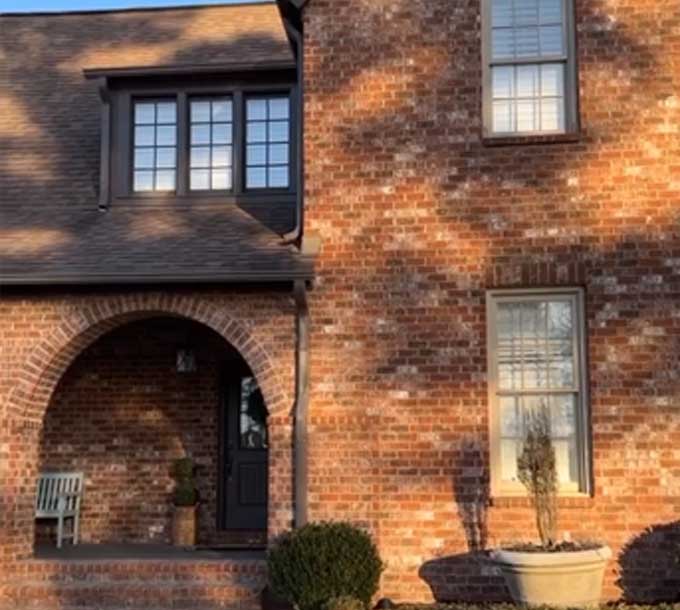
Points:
(138, 9)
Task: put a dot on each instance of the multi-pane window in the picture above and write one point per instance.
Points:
(536, 369)
(155, 146)
(529, 67)
(211, 152)
(267, 142)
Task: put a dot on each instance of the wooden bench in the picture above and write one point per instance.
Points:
(59, 496)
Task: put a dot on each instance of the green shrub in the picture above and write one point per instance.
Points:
(344, 602)
(185, 486)
(318, 562)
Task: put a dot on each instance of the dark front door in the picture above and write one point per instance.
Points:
(244, 455)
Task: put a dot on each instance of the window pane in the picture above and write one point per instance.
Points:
(221, 156)
(527, 115)
(527, 81)
(199, 180)
(526, 42)
(144, 136)
(257, 154)
(166, 135)
(200, 134)
(253, 416)
(143, 181)
(256, 110)
(503, 43)
(279, 108)
(278, 154)
(221, 111)
(501, 13)
(278, 177)
(221, 179)
(144, 158)
(256, 177)
(552, 114)
(221, 133)
(200, 112)
(503, 117)
(144, 114)
(165, 157)
(550, 11)
(551, 40)
(257, 132)
(165, 180)
(552, 80)
(200, 156)
(278, 131)
(166, 112)
(503, 81)
(526, 12)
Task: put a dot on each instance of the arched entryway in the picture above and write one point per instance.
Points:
(140, 397)
(47, 366)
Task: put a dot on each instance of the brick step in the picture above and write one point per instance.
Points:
(134, 585)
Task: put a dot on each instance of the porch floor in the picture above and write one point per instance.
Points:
(152, 552)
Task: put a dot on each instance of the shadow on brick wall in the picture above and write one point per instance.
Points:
(650, 565)
(469, 576)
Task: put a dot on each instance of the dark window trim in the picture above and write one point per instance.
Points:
(238, 91)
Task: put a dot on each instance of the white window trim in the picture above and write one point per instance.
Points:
(571, 105)
(500, 488)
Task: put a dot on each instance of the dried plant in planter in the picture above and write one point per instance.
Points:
(537, 470)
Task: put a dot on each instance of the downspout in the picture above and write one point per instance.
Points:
(104, 146)
(300, 426)
(295, 235)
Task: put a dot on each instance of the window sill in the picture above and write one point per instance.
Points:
(529, 140)
(564, 500)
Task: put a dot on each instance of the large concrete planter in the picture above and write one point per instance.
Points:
(565, 579)
(184, 526)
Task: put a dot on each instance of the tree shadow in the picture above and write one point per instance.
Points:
(469, 576)
(650, 565)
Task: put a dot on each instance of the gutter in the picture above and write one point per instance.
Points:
(295, 236)
(301, 411)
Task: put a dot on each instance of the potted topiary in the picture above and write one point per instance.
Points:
(323, 566)
(562, 574)
(185, 504)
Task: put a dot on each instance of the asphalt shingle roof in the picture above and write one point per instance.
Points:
(50, 227)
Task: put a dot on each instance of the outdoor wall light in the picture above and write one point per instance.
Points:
(186, 360)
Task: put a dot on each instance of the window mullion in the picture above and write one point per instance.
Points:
(239, 137)
(182, 144)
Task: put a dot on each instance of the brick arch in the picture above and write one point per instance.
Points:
(47, 363)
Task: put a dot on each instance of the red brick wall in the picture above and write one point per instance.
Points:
(122, 413)
(418, 217)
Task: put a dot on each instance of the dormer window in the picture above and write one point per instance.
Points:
(194, 138)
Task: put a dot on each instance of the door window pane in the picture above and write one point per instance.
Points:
(155, 146)
(211, 164)
(252, 416)
(268, 142)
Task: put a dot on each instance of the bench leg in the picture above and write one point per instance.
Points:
(60, 530)
(76, 528)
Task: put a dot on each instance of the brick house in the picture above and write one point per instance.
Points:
(398, 226)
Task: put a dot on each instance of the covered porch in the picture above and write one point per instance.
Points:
(140, 397)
